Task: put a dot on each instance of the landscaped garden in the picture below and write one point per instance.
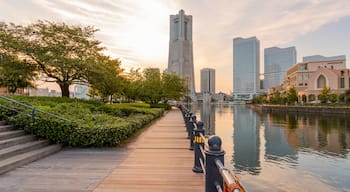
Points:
(89, 123)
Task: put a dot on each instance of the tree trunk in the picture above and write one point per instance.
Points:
(64, 89)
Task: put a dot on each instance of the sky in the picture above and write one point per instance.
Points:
(137, 31)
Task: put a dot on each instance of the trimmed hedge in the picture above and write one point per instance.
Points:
(94, 124)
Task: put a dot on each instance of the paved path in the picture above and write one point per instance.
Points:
(158, 160)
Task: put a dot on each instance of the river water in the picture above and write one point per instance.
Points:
(281, 152)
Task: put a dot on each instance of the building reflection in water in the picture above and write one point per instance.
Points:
(208, 117)
(246, 140)
(326, 134)
(277, 147)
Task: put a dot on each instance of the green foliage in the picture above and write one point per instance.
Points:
(292, 95)
(106, 77)
(172, 87)
(156, 87)
(161, 105)
(15, 73)
(325, 95)
(93, 123)
(61, 52)
(151, 90)
(277, 98)
(333, 98)
(260, 99)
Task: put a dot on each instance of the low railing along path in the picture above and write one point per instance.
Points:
(159, 161)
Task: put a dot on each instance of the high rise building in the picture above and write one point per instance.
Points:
(246, 68)
(208, 80)
(276, 62)
(322, 58)
(181, 50)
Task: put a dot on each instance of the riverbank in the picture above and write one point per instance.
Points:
(301, 109)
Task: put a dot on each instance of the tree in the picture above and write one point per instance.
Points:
(106, 76)
(151, 87)
(133, 84)
(325, 95)
(347, 95)
(173, 87)
(62, 53)
(15, 73)
(292, 95)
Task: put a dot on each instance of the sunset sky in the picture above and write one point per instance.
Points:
(137, 31)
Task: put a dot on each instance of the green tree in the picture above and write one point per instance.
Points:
(292, 95)
(347, 96)
(15, 73)
(173, 87)
(333, 98)
(62, 53)
(151, 89)
(133, 84)
(325, 95)
(106, 77)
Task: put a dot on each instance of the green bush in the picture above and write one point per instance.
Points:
(92, 123)
(161, 105)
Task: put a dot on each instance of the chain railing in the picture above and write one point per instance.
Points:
(209, 157)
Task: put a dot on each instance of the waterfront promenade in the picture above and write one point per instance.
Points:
(156, 160)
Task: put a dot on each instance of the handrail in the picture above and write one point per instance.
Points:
(209, 158)
(33, 109)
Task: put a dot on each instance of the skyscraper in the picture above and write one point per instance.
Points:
(246, 67)
(180, 49)
(208, 80)
(276, 62)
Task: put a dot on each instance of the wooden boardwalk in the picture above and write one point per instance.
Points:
(159, 160)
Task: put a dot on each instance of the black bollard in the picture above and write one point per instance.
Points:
(212, 172)
(198, 141)
(188, 124)
(193, 124)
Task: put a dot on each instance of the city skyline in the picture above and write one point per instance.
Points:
(137, 32)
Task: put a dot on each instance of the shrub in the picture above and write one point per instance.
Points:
(161, 105)
(93, 123)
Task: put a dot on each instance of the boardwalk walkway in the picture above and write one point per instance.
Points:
(159, 161)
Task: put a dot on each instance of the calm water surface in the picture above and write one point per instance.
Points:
(282, 152)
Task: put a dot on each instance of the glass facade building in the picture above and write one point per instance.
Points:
(246, 68)
(276, 62)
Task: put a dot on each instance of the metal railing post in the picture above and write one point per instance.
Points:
(193, 123)
(198, 142)
(33, 114)
(213, 176)
(187, 123)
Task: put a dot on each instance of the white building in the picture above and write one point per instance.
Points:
(208, 80)
(246, 68)
(181, 50)
(276, 62)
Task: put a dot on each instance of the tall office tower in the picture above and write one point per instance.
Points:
(246, 68)
(208, 80)
(180, 49)
(276, 62)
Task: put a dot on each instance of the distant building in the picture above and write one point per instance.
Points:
(276, 62)
(208, 80)
(4, 91)
(309, 78)
(181, 50)
(246, 68)
(81, 91)
(322, 58)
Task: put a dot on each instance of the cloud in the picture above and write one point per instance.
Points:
(137, 32)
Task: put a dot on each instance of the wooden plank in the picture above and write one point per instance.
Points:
(159, 161)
